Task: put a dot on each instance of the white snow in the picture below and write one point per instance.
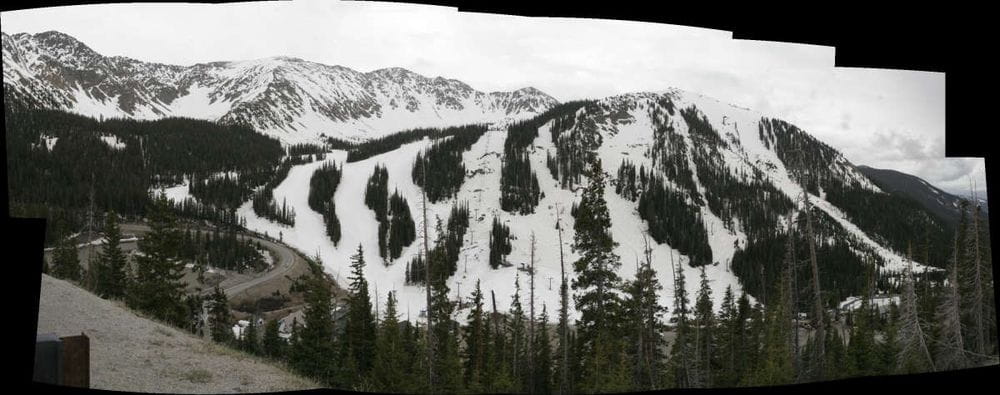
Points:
(49, 141)
(199, 104)
(880, 302)
(113, 142)
(176, 193)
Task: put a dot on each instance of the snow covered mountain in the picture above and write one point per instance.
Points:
(656, 131)
(710, 185)
(289, 98)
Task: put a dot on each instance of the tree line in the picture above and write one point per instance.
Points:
(619, 343)
(56, 181)
(322, 186)
(395, 224)
(443, 160)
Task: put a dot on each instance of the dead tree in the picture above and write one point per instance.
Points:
(427, 284)
(819, 355)
(950, 350)
(911, 336)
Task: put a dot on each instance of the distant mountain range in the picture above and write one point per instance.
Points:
(942, 204)
(292, 99)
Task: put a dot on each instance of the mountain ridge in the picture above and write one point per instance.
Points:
(290, 98)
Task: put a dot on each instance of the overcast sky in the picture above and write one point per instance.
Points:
(881, 118)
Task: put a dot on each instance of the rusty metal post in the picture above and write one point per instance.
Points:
(76, 361)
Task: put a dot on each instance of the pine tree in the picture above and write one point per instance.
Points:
(272, 345)
(220, 320)
(776, 358)
(861, 348)
(390, 369)
(518, 338)
(644, 315)
(249, 341)
(311, 353)
(360, 331)
(65, 262)
(680, 372)
(597, 282)
(475, 343)
(447, 362)
(156, 288)
(705, 347)
(542, 359)
(728, 339)
(111, 267)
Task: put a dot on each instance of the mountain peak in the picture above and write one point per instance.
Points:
(294, 99)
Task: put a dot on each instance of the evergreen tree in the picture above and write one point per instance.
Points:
(728, 340)
(313, 351)
(390, 370)
(598, 284)
(111, 267)
(644, 315)
(447, 363)
(249, 341)
(705, 341)
(499, 243)
(156, 288)
(542, 359)
(518, 339)
(272, 345)
(220, 320)
(776, 354)
(680, 371)
(65, 262)
(360, 331)
(862, 355)
(475, 343)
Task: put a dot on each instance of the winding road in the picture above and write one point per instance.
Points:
(287, 260)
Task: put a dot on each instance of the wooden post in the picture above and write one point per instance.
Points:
(76, 361)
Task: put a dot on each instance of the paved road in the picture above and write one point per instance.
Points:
(286, 259)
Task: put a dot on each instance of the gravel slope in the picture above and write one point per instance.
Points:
(133, 353)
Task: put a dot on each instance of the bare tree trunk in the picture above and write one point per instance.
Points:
(950, 352)
(427, 279)
(911, 334)
(790, 298)
(563, 290)
(649, 347)
(531, 320)
(979, 329)
(818, 314)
